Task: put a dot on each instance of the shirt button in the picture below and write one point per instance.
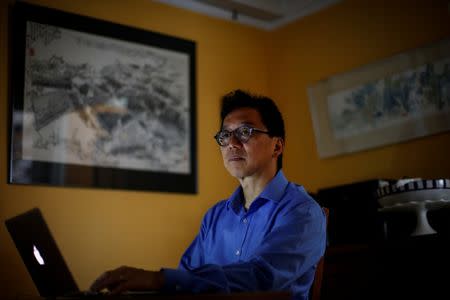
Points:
(238, 252)
(245, 221)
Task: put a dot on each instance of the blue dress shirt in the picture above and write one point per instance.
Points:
(275, 245)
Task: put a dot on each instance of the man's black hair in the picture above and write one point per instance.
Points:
(270, 115)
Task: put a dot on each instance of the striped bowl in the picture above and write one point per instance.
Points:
(415, 190)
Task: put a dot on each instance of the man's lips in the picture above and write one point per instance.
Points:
(235, 158)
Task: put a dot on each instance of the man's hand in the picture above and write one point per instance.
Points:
(128, 279)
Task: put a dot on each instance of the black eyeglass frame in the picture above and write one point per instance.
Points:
(235, 132)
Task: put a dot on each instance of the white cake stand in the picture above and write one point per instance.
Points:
(418, 196)
(420, 208)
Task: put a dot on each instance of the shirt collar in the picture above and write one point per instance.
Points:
(273, 191)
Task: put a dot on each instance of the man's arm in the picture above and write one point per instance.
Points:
(288, 252)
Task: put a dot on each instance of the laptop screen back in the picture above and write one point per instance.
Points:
(40, 254)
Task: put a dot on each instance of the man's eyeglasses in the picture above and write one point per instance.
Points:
(242, 133)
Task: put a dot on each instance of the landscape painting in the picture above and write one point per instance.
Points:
(410, 95)
(394, 100)
(101, 104)
(97, 101)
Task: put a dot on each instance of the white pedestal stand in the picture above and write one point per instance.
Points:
(420, 208)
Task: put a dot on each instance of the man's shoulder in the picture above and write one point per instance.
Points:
(220, 205)
(297, 192)
(217, 208)
(297, 196)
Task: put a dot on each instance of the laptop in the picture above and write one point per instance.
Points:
(41, 255)
(44, 261)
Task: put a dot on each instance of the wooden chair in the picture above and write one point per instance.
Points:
(317, 283)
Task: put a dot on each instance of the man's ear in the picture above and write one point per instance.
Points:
(279, 147)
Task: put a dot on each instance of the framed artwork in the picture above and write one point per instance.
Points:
(403, 97)
(98, 104)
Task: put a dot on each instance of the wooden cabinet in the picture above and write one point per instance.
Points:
(408, 268)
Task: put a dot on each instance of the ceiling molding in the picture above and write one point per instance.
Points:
(262, 14)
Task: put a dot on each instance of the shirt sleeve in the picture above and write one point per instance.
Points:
(291, 249)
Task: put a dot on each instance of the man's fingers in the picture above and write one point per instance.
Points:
(120, 288)
(126, 278)
(98, 282)
(109, 279)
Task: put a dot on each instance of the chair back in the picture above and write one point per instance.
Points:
(318, 276)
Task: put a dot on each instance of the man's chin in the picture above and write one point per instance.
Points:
(239, 173)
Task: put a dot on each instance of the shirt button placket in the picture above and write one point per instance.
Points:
(244, 221)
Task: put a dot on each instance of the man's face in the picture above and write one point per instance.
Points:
(258, 156)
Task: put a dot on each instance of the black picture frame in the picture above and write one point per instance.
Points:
(111, 107)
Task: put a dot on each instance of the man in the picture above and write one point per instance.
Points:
(269, 235)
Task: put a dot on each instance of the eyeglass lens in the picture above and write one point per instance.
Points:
(242, 133)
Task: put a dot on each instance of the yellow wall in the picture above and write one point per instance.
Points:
(99, 229)
(343, 37)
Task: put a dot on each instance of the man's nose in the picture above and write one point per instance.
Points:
(234, 142)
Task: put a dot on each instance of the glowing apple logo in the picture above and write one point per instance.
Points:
(38, 256)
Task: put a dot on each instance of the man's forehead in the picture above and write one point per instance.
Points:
(248, 116)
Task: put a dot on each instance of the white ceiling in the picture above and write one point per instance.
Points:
(264, 14)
